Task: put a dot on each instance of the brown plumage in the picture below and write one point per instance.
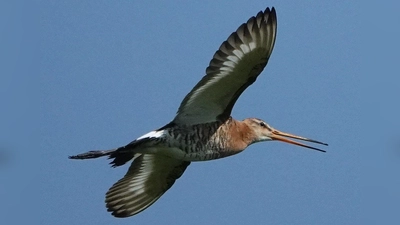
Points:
(203, 128)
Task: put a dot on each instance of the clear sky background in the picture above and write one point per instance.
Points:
(105, 72)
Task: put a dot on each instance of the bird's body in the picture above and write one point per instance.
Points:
(203, 128)
(196, 142)
(199, 142)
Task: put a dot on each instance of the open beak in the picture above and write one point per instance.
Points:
(278, 135)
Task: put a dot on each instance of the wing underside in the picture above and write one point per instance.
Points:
(235, 66)
(147, 179)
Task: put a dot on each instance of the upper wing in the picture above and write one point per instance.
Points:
(234, 67)
(149, 177)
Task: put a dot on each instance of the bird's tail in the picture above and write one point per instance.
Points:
(92, 154)
(120, 155)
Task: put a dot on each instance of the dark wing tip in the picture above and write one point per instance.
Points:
(120, 214)
(269, 11)
(272, 10)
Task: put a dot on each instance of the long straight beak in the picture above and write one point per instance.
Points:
(278, 135)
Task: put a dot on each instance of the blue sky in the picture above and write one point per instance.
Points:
(112, 71)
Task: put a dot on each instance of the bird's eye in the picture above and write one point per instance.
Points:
(262, 124)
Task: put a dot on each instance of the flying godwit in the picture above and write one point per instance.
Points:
(203, 128)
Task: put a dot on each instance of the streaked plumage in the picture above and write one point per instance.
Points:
(203, 128)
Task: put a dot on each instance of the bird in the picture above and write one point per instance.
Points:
(203, 128)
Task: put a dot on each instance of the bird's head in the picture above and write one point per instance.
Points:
(264, 132)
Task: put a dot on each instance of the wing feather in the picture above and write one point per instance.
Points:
(147, 179)
(234, 67)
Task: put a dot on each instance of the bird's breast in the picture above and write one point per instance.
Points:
(199, 142)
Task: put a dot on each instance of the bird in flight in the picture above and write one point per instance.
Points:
(203, 128)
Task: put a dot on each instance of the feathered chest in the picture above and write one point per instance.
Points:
(203, 141)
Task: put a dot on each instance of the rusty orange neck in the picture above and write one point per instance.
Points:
(239, 135)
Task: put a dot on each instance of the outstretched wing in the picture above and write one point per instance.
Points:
(149, 177)
(234, 67)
